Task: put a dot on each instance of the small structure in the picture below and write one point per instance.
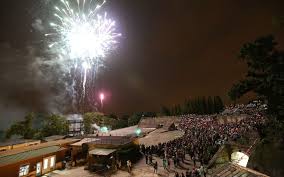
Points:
(76, 125)
(102, 159)
(79, 150)
(34, 160)
(104, 151)
(19, 143)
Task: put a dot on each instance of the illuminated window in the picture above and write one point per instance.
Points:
(45, 164)
(52, 161)
(24, 170)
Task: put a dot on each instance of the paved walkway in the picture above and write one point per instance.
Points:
(140, 169)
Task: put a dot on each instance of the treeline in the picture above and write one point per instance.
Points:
(199, 105)
(37, 126)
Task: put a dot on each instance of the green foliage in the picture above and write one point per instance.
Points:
(165, 111)
(22, 128)
(120, 123)
(102, 120)
(134, 119)
(265, 73)
(199, 105)
(54, 125)
(278, 22)
(37, 126)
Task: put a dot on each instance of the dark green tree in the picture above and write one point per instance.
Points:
(265, 73)
(22, 128)
(210, 105)
(218, 104)
(54, 125)
(135, 118)
(165, 111)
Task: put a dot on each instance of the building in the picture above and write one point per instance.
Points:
(101, 152)
(34, 160)
(76, 124)
(158, 122)
(19, 143)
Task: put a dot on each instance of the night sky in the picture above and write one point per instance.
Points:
(170, 50)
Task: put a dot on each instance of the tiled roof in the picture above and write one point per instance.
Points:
(14, 158)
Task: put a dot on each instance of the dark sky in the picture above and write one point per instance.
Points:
(170, 50)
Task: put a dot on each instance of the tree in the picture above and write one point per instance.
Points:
(54, 125)
(265, 73)
(210, 105)
(218, 104)
(22, 128)
(91, 118)
(135, 118)
(88, 120)
(165, 111)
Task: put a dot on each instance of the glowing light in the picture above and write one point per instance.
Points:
(240, 158)
(138, 131)
(102, 96)
(82, 35)
(104, 129)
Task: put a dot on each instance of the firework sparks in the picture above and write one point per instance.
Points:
(82, 35)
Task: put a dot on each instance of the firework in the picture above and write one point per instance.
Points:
(82, 35)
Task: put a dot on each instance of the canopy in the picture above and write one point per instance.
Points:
(103, 152)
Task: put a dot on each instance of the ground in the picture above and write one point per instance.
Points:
(140, 169)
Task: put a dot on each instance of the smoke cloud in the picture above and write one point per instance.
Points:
(28, 83)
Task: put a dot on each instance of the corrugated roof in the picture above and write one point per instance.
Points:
(54, 137)
(100, 151)
(113, 140)
(16, 141)
(39, 146)
(85, 140)
(10, 159)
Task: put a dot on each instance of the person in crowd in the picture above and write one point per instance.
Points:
(155, 167)
(128, 163)
(146, 158)
(165, 163)
(176, 174)
(204, 134)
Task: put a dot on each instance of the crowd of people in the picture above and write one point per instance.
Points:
(203, 135)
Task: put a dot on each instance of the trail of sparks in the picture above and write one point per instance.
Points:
(82, 35)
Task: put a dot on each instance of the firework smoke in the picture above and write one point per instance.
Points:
(81, 38)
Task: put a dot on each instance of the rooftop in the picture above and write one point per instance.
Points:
(112, 140)
(54, 137)
(16, 141)
(101, 151)
(39, 146)
(24, 155)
